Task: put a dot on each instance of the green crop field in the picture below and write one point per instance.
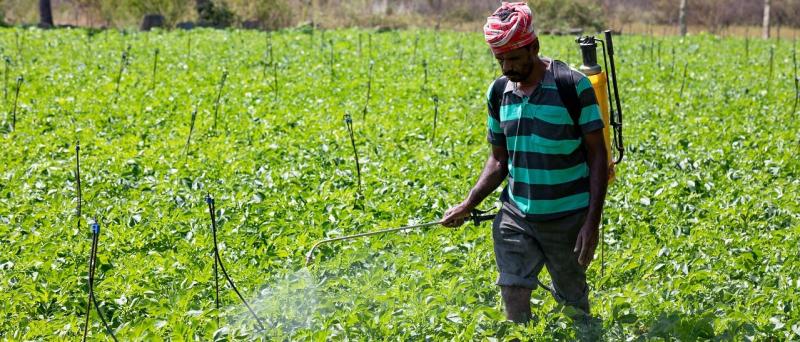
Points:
(701, 227)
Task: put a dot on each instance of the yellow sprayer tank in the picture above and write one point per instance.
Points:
(597, 76)
(600, 85)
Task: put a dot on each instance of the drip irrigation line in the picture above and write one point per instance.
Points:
(92, 299)
(218, 260)
(348, 120)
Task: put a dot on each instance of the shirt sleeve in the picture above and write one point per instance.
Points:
(496, 135)
(590, 119)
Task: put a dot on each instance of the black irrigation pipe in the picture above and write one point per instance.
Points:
(267, 52)
(217, 260)
(78, 180)
(274, 78)
(796, 80)
(321, 49)
(425, 71)
(771, 63)
(219, 95)
(369, 90)
(92, 298)
(93, 251)
(414, 56)
(78, 223)
(658, 60)
(746, 49)
(332, 61)
(155, 69)
(5, 77)
(191, 129)
(16, 98)
(435, 116)
(122, 64)
(188, 49)
(644, 50)
(369, 45)
(672, 66)
(20, 45)
(683, 83)
(348, 120)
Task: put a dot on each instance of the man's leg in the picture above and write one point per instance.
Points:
(557, 240)
(519, 261)
(517, 302)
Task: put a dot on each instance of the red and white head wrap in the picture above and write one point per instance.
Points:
(510, 27)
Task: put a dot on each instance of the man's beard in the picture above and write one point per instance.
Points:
(519, 76)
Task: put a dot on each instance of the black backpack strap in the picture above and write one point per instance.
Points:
(565, 82)
(498, 87)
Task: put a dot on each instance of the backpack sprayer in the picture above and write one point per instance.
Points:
(612, 116)
(611, 111)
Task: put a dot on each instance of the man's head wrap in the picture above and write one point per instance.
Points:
(509, 28)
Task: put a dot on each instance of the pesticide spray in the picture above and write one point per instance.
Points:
(290, 303)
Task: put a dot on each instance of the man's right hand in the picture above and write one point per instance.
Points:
(454, 217)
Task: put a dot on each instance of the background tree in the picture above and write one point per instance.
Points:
(765, 25)
(45, 14)
(682, 18)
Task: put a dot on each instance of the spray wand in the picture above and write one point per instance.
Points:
(476, 217)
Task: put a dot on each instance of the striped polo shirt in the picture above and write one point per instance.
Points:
(548, 174)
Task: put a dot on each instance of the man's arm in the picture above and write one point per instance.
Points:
(494, 172)
(598, 183)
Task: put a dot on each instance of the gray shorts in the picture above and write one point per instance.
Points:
(522, 248)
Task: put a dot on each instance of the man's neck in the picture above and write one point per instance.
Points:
(536, 76)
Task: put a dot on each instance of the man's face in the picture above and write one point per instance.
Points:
(517, 64)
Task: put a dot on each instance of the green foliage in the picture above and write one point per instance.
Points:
(701, 226)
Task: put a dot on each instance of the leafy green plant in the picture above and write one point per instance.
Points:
(700, 226)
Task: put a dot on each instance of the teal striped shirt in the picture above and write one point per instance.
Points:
(548, 174)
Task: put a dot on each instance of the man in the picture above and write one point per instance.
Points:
(556, 168)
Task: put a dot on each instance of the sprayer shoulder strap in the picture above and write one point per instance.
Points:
(565, 82)
(496, 98)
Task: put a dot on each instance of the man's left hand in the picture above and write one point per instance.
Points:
(586, 243)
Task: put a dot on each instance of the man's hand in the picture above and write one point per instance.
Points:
(586, 243)
(454, 217)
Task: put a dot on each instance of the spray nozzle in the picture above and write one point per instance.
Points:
(209, 200)
(348, 119)
(95, 227)
(586, 40)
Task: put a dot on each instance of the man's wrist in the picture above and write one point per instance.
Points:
(469, 203)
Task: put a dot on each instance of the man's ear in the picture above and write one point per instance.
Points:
(534, 46)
